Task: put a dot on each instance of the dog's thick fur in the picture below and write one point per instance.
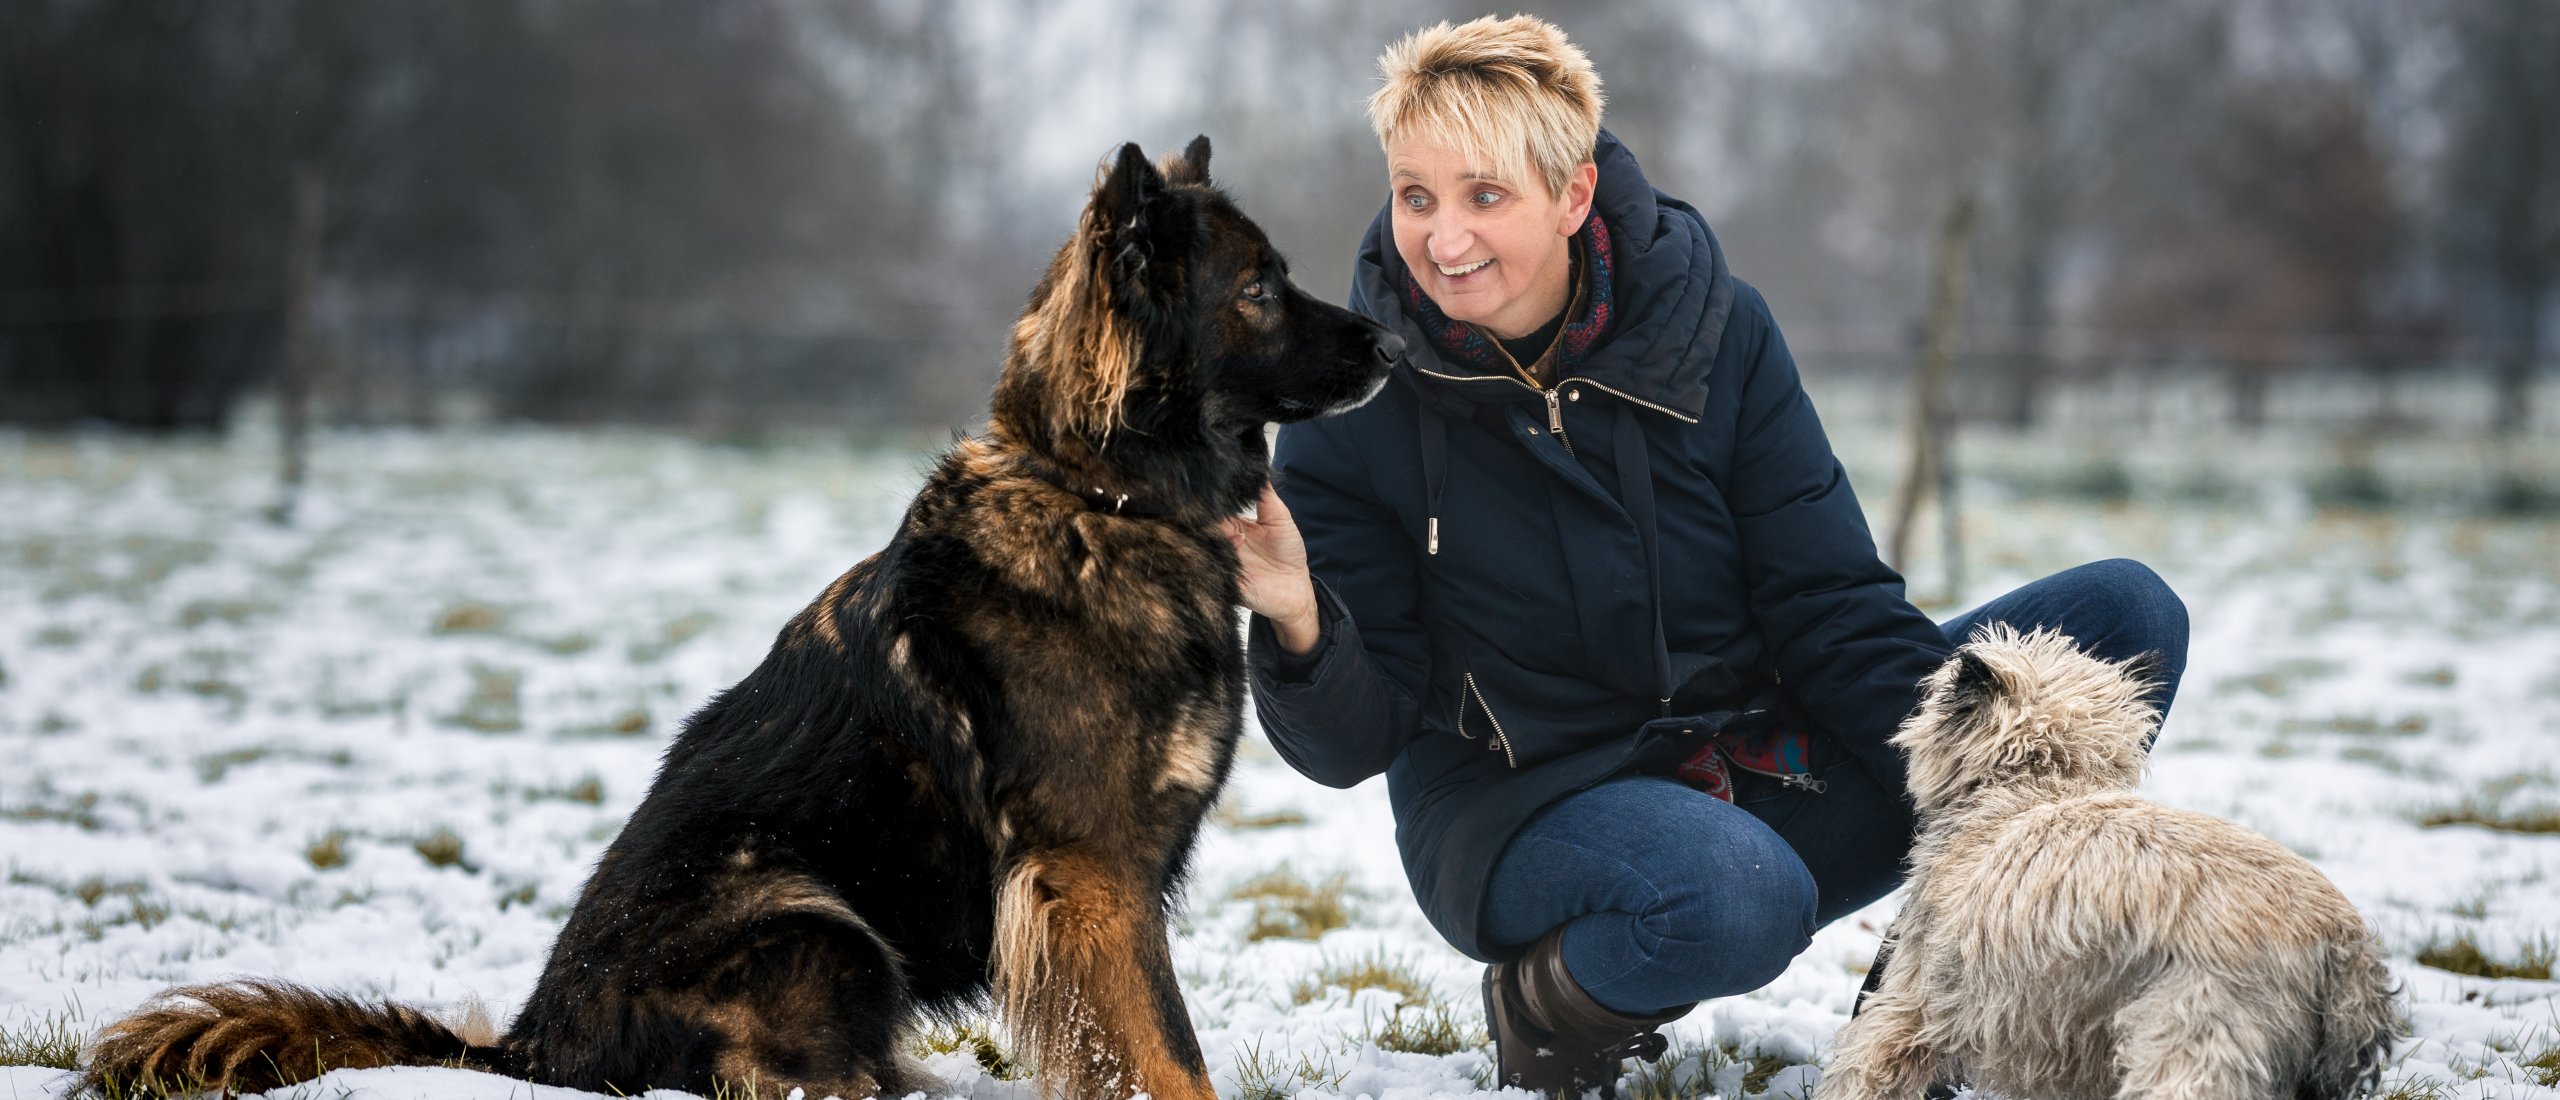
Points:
(2064, 938)
(975, 765)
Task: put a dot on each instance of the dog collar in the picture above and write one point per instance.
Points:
(1103, 500)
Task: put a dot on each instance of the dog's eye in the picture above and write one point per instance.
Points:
(1257, 291)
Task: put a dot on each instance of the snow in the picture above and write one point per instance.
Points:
(463, 633)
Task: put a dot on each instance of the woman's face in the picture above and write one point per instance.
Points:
(1492, 252)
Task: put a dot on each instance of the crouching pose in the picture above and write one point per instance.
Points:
(2066, 939)
(1587, 584)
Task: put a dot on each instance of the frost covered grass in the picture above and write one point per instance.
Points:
(378, 751)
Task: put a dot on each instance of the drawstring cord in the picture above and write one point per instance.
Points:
(1435, 472)
(1635, 491)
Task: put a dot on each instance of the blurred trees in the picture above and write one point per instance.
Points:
(2503, 179)
(719, 212)
(614, 211)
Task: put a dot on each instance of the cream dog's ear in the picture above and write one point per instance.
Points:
(1976, 682)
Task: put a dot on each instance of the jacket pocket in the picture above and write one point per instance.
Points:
(1471, 697)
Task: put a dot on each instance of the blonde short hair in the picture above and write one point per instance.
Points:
(1514, 95)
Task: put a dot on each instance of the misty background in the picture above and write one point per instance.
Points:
(723, 215)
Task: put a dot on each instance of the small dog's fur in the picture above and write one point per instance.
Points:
(2065, 939)
(974, 766)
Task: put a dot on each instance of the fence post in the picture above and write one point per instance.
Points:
(301, 270)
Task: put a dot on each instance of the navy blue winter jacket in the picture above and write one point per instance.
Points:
(1520, 662)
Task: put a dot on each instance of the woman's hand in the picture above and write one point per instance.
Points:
(1276, 585)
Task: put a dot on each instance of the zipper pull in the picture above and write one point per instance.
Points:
(1804, 783)
(1555, 414)
(1431, 534)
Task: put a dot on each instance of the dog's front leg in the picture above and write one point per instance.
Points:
(1086, 979)
(1879, 1055)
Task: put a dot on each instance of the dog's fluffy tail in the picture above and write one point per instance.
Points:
(2359, 1024)
(254, 1036)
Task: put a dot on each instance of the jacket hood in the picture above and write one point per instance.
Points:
(1673, 290)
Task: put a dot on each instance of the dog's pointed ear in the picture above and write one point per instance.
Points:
(1135, 232)
(1976, 680)
(1195, 157)
(1129, 193)
(1127, 187)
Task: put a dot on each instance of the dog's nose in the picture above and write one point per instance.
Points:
(1388, 349)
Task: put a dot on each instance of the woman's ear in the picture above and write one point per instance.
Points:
(1578, 189)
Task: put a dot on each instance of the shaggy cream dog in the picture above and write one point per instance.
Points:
(2064, 938)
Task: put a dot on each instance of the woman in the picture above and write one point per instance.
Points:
(1587, 583)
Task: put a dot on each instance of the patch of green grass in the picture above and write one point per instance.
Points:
(589, 791)
(1757, 1068)
(493, 705)
(189, 1088)
(1427, 1029)
(2360, 725)
(233, 612)
(2439, 676)
(80, 810)
(2278, 680)
(1261, 1076)
(1375, 970)
(2543, 1065)
(976, 1041)
(1690, 1071)
(2475, 907)
(55, 1040)
(1231, 815)
(139, 911)
(517, 895)
(92, 891)
(470, 618)
(2383, 759)
(329, 852)
(213, 766)
(2415, 1088)
(1684, 1072)
(672, 635)
(1288, 907)
(2491, 816)
(442, 849)
(2462, 955)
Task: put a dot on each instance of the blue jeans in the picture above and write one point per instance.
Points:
(1670, 896)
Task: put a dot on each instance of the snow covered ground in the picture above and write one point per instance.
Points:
(378, 750)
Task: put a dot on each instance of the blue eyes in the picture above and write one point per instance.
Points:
(1482, 200)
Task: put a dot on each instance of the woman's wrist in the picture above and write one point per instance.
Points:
(1299, 629)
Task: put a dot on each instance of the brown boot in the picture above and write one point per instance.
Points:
(1550, 1036)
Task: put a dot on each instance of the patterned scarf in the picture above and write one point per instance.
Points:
(1460, 343)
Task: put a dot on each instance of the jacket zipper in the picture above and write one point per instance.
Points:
(1555, 421)
(1577, 380)
(1499, 737)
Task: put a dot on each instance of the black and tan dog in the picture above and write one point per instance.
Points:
(975, 765)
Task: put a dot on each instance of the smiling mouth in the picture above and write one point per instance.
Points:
(1463, 269)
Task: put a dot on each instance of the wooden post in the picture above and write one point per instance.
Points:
(301, 270)
(1931, 469)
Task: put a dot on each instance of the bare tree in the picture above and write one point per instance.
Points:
(2505, 171)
